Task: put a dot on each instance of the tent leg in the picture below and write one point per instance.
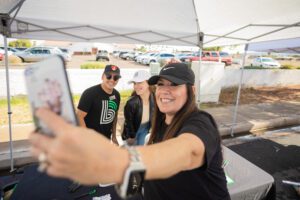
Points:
(198, 80)
(8, 106)
(239, 93)
(198, 70)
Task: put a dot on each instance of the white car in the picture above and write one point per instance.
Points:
(139, 59)
(163, 57)
(265, 62)
(36, 54)
(149, 59)
(10, 50)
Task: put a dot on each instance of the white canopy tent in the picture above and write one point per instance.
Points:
(165, 22)
(170, 22)
(291, 46)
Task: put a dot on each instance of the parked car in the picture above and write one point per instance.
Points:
(116, 53)
(122, 54)
(225, 58)
(131, 55)
(10, 50)
(21, 48)
(157, 57)
(1, 56)
(149, 59)
(67, 52)
(102, 55)
(214, 56)
(163, 57)
(265, 62)
(184, 57)
(128, 56)
(35, 54)
(139, 59)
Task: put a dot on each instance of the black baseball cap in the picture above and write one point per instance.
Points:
(178, 73)
(112, 68)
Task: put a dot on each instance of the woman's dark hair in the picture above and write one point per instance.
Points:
(181, 116)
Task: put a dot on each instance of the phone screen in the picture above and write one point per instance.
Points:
(47, 86)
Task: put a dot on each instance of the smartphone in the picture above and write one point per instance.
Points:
(48, 86)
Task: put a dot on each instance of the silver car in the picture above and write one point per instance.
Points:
(35, 54)
(265, 62)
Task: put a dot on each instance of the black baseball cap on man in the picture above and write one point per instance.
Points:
(178, 73)
(112, 68)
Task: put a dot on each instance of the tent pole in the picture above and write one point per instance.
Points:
(239, 92)
(198, 69)
(8, 105)
(6, 22)
(198, 79)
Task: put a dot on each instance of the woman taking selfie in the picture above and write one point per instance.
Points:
(182, 161)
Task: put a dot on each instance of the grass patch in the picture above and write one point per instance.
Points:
(15, 100)
(287, 66)
(125, 94)
(93, 65)
(22, 112)
(257, 67)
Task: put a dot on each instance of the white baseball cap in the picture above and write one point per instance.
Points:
(140, 76)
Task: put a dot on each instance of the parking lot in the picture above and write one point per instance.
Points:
(78, 60)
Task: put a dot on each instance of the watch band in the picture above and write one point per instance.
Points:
(134, 154)
(134, 175)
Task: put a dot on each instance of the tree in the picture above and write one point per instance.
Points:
(212, 49)
(20, 43)
(142, 49)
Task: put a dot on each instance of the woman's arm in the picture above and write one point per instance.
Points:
(167, 158)
(88, 157)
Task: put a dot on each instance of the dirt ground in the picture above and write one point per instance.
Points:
(261, 95)
(22, 114)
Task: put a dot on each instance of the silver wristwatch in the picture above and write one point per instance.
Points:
(134, 175)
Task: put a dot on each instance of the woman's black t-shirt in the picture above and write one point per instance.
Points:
(207, 182)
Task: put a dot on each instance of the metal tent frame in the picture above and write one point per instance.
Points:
(35, 21)
(6, 22)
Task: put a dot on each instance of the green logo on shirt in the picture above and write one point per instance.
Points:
(112, 105)
(108, 111)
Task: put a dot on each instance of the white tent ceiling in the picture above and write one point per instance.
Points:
(171, 22)
(277, 46)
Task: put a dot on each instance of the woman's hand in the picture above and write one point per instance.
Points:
(78, 153)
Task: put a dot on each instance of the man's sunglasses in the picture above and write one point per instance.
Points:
(115, 77)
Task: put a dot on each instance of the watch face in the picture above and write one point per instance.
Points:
(135, 185)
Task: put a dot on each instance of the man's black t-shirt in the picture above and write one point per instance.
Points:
(207, 182)
(101, 109)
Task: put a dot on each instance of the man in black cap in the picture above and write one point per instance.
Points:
(98, 106)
